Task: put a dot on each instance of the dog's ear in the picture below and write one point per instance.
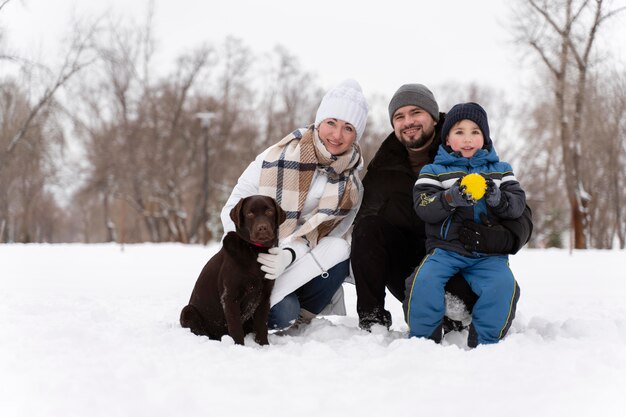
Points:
(235, 213)
(281, 216)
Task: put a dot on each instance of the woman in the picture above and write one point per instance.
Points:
(312, 174)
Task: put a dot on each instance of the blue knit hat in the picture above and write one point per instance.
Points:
(469, 111)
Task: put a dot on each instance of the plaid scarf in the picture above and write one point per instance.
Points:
(287, 173)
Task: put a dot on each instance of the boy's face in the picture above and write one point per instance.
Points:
(465, 137)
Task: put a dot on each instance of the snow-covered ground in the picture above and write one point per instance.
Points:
(92, 330)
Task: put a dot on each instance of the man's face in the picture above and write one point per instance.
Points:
(413, 126)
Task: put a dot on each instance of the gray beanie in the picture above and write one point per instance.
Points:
(414, 95)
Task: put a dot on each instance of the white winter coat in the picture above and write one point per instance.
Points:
(309, 263)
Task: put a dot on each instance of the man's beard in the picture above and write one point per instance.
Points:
(420, 141)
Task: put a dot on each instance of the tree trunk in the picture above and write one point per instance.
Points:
(201, 213)
(108, 223)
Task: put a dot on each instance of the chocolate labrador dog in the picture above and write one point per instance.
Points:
(231, 296)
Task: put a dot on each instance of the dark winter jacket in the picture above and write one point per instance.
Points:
(443, 221)
(388, 192)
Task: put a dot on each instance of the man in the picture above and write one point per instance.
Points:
(388, 240)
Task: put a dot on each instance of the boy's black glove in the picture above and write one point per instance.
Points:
(492, 194)
(489, 237)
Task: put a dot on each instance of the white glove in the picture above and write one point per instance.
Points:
(274, 262)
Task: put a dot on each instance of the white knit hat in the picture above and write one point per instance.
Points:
(345, 102)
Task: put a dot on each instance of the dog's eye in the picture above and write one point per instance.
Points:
(249, 214)
(269, 212)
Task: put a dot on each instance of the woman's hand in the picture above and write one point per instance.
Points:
(275, 262)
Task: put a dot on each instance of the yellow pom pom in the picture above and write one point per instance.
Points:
(475, 185)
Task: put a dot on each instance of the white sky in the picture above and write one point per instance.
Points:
(381, 44)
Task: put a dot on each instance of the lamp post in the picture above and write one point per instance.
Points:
(202, 214)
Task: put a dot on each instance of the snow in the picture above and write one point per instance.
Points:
(92, 330)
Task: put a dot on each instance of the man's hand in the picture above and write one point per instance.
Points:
(274, 262)
(456, 196)
(489, 237)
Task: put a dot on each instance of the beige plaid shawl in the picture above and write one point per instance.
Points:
(287, 173)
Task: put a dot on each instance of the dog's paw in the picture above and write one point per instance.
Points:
(262, 340)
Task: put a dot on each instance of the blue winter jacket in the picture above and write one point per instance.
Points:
(443, 221)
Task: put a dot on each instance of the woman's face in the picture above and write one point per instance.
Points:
(336, 135)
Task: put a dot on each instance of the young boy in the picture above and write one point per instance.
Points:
(444, 204)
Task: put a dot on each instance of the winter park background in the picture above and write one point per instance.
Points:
(105, 137)
(92, 330)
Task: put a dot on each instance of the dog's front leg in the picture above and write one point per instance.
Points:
(232, 311)
(261, 314)
(260, 322)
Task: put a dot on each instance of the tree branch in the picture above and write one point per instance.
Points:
(4, 3)
(544, 58)
(546, 16)
(69, 68)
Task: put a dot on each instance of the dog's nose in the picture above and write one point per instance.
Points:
(263, 230)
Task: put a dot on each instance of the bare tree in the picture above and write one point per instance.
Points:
(76, 59)
(562, 33)
(141, 138)
(606, 124)
(30, 132)
(235, 129)
(291, 96)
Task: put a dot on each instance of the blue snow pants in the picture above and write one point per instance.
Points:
(490, 278)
